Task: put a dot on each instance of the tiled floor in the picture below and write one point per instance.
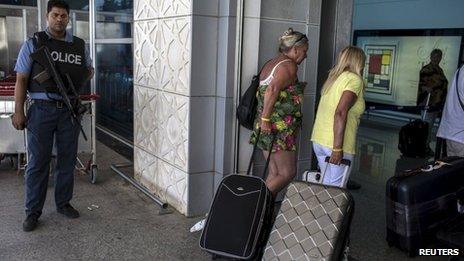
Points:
(127, 225)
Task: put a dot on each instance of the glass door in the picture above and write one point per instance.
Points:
(114, 67)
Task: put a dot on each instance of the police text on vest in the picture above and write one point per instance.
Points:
(67, 58)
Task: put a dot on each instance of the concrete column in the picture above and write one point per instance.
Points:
(182, 53)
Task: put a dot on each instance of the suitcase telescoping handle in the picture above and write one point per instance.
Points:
(426, 107)
(254, 150)
(345, 162)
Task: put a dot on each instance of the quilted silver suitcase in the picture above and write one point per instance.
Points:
(312, 224)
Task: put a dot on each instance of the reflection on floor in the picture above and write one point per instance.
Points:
(377, 157)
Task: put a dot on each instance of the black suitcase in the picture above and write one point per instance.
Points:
(239, 219)
(421, 201)
(452, 235)
(312, 224)
(412, 140)
(413, 137)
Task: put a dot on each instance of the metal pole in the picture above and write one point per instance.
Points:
(73, 22)
(25, 24)
(238, 79)
(115, 168)
(41, 14)
(93, 82)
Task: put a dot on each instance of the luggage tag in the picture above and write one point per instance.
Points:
(438, 164)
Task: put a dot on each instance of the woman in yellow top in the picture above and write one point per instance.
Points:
(338, 114)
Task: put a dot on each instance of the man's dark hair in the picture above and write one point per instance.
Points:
(436, 52)
(57, 3)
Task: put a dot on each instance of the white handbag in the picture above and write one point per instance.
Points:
(313, 176)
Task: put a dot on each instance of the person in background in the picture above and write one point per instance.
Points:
(452, 121)
(432, 80)
(338, 114)
(279, 109)
(48, 118)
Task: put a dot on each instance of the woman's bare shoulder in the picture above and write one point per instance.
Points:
(287, 71)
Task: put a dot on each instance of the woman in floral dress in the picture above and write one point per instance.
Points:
(279, 109)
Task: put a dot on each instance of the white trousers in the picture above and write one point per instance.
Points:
(334, 173)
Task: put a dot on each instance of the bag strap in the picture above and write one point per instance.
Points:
(273, 69)
(277, 65)
(457, 88)
(254, 150)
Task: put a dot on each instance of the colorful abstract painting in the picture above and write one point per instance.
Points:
(378, 71)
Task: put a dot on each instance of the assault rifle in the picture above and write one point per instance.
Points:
(43, 57)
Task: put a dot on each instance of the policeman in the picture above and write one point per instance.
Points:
(47, 117)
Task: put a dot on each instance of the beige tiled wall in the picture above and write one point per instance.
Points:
(162, 61)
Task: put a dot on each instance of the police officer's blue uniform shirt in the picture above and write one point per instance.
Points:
(24, 63)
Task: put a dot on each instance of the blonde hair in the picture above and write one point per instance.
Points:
(291, 38)
(351, 59)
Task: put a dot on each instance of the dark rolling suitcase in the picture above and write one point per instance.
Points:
(413, 139)
(312, 224)
(421, 201)
(452, 235)
(238, 222)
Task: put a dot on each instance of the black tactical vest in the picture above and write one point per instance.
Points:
(69, 59)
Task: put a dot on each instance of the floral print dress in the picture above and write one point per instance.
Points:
(285, 119)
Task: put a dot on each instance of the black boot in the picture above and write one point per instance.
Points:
(68, 211)
(30, 223)
(351, 185)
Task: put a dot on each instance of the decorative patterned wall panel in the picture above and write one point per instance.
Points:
(146, 53)
(171, 184)
(161, 125)
(172, 126)
(145, 9)
(175, 54)
(145, 168)
(169, 8)
(162, 60)
(162, 179)
(150, 9)
(162, 54)
(145, 118)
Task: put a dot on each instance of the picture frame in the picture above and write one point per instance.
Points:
(379, 68)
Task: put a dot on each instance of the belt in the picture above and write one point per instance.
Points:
(57, 104)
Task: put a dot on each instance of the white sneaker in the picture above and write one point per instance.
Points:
(198, 226)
